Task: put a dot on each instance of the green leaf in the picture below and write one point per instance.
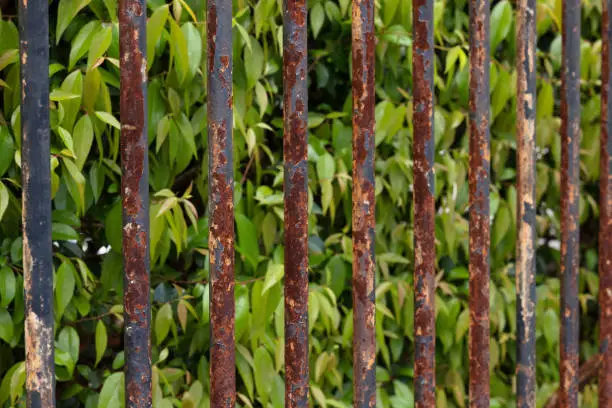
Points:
(274, 275)
(66, 139)
(317, 18)
(64, 287)
(60, 95)
(66, 11)
(326, 167)
(155, 28)
(113, 394)
(501, 23)
(163, 320)
(4, 199)
(6, 389)
(264, 372)
(6, 151)
(108, 119)
(6, 326)
(78, 193)
(246, 374)
(63, 232)
(180, 51)
(82, 42)
(194, 47)
(68, 340)
(99, 45)
(255, 65)
(83, 139)
(247, 240)
(8, 285)
(101, 341)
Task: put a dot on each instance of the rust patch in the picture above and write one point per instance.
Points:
(479, 176)
(605, 213)
(424, 205)
(135, 200)
(295, 150)
(570, 168)
(363, 213)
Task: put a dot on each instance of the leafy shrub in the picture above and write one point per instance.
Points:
(87, 214)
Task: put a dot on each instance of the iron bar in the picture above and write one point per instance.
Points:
(424, 204)
(526, 208)
(364, 298)
(605, 213)
(295, 148)
(479, 203)
(135, 198)
(221, 203)
(36, 184)
(570, 199)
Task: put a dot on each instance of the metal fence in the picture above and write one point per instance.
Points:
(38, 267)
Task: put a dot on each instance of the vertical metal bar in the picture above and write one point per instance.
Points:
(135, 197)
(605, 211)
(221, 203)
(479, 203)
(36, 183)
(526, 208)
(424, 204)
(570, 198)
(364, 298)
(295, 148)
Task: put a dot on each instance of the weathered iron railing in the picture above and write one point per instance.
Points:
(39, 336)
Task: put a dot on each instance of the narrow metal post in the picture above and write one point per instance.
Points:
(605, 214)
(36, 184)
(295, 148)
(480, 239)
(570, 199)
(135, 198)
(364, 298)
(526, 206)
(424, 204)
(221, 204)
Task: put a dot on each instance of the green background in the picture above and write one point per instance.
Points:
(87, 212)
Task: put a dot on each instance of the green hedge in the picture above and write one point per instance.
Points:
(87, 213)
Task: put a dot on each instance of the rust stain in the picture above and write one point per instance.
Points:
(479, 180)
(605, 214)
(424, 205)
(363, 213)
(135, 200)
(295, 149)
(570, 168)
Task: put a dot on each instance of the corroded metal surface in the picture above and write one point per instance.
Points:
(135, 197)
(424, 204)
(479, 203)
(364, 330)
(570, 199)
(605, 214)
(36, 201)
(295, 148)
(526, 207)
(221, 204)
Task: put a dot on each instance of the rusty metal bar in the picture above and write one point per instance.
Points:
(221, 204)
(605, 213)
(135, 198)
(526, 208)
(424, 204)
(36, 202)
(295, 148)
(480, 236)
(570, 199)
(364, 298)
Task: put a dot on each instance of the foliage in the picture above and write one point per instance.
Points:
(87, 213)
